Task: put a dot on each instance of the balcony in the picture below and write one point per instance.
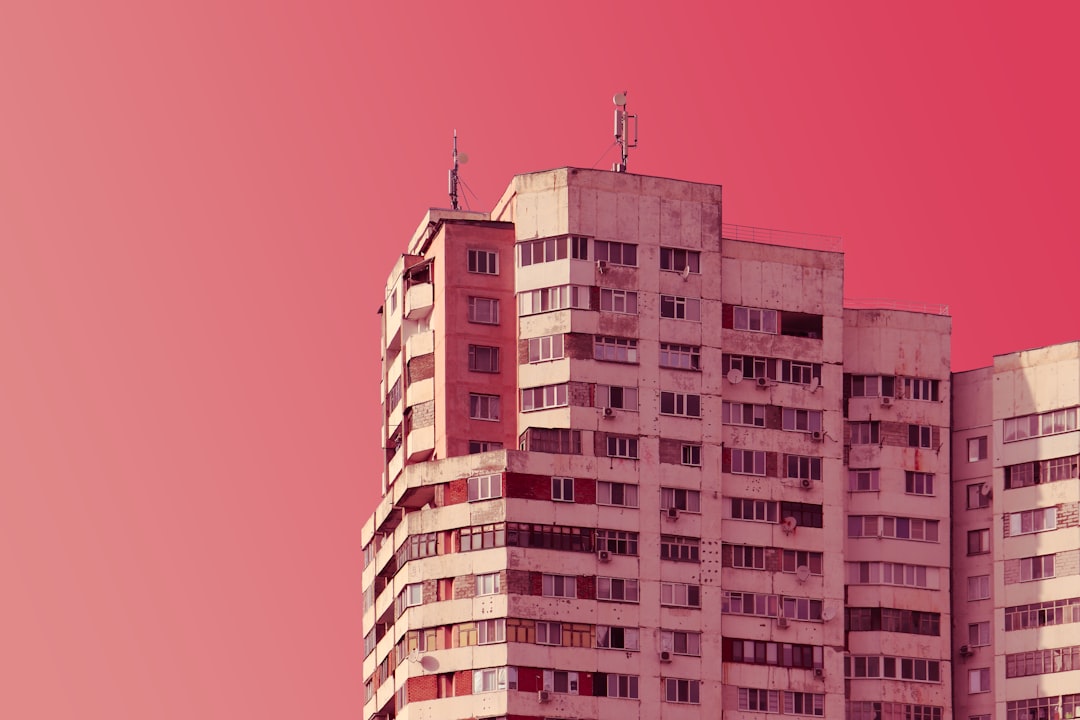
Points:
(419, 300)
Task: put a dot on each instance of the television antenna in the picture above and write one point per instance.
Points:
(461, 158)
(622, 130)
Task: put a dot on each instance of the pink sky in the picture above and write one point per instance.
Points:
(199, 202)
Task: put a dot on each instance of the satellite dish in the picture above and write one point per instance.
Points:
(619, 99)
(986, 489)
(802, 573)
(462, 158)
(789, 524)
(686, 272)
(734, 376)
(429, 663)
(828, 613)
(814, 384)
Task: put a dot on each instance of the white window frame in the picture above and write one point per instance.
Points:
(618, 397)
(681, 499)
(622, 446)
(739, 413)
(756, 320)
(562, 489)
(545, 348)
(680, 260)
(864, 480)
(799, 420)
(978, 587)
(677, 307)
(925, 436)
(613, 589)
(484, 407)
(543, 250)
(548, 632)
(615, 253)
(607, 348)
(920, 389)
(691, 455)
(1037, 567)
(680, 357)
(490, 632)
(562, 586)
(485, 487)
(676, 594)
(564, 682)
(863, 431)
(413, 595)
(550, 299)
(681, 642)
(748, 462)
(919, 483)
(622, 686)
(488, 584)
(619, 301)
(490, 264)
(683, 691)
(544, 397)
(631, 638)
(605, 492)
(979, 634)
(483, 310)
(802, 467)
(680, 404)
(490, 353)
(1027, 522)
(978, 681)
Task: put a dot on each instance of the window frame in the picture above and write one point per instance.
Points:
(490, 316)
(491, 259)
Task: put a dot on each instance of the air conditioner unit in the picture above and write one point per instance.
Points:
(886, 401)
(673, 513)
(543, 696)
(965, 651)
(819, 672)
(817, 436)
(609, 412)
(781, 622)
(603, 555)
(601, 265)
(763, 382)
(665, 656)
(806, 483)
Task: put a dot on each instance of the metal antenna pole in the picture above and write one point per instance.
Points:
(622, 131)
(454, 177)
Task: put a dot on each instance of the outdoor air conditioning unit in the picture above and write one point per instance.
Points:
(819, 672)
(601, 265)
(965, 651)
(543, 696)
(665, 656)
(886, 401)
(806, 483)
(763, 382)
(603, 555)
(609, 412)
(781, 622)
(673, 513)
(817, 436)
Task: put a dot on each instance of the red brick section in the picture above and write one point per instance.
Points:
(585, 491)
(530, 487)
(457, 491)
(671, 451)
(425, 687)
(463, 682)
(586, 587)
(530, 679)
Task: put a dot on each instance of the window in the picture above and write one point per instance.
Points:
(612, 493)
(482, 446)
(794, 559)
(751, 367)
(1032, 521)
(803, 467)
(805, 514)
(748, 557)
(748, 462)
(1043, 471)
(487, 584)
(680, 549)
(979, 680)
(411, 596)
(485, 487)
(561, 681)
(620, 398)
(743, 414)
(618, 301)
(673, 594)
(546, 396)
(978, 587)
(757, 510)
(681, 357)
(691, 455)
(680, 642)
(1042, 614)
(920, 389)
(865, 480)
(976, 449)
(483, 358)
(918, 483)
(485, 262)
(796, 420)
(887, 666)
(562, 489)
(749, 603)
(622, 686)
(492, 679)
(617, 638)
(886, 526)
(551, 440)
(887, 573)
(679, 260)
(801, 608)
(1042, 708)
(755, 700)
(869, 710)
(617, 589)
(1036, 568)
(804, 703)
(613, 349)
(560, 297)
(1048, 423)
(912, 622)
(622, 447)
(870, 385)
(545, 250)
(484, 310)
(979, 634)
(483, 407)
(1042, 662)
(564, 586)
(919, 436)
(615, 253)
(548, 633)
(673, 403)
(680, 308)
(799, 373)
(617, 542)
(685, 500)
(865, 433)
(976, 498)
(579, 247)
(548, 347)
(755, 320)
(978, 541)
(482, 537)
(682, 691)
(758, 652)
(489, 632)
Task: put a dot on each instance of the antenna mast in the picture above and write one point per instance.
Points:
(622, 130)
(454, 177)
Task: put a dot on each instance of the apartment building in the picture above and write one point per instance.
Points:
(1016, 537)
(642, 463)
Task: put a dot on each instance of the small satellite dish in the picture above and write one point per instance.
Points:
(429, 663)
(462, 158)
(734, 376)
(619, 99)
(789, 524)
(828, 613)
(802, 573)
(814, 384)
(986, 489)
(685, 272)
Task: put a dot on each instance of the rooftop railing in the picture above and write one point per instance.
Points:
(888, 304)
(767, 236)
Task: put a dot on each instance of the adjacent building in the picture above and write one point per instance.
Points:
(642, 463)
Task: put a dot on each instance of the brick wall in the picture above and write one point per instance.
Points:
(421, 367)
(518, 582)
(423, 414)
(671, 451)
(585, 491)
(1067, 563)
(457, 491)
(425, 687)
(463, 682)
(578, 346)
(579, 394)
(530, 487)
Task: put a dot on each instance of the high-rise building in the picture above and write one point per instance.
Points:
(1016, 537)
(640, 463)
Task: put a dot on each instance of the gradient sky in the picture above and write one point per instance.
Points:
(199, 202)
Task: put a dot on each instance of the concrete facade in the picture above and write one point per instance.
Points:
(640, 463)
